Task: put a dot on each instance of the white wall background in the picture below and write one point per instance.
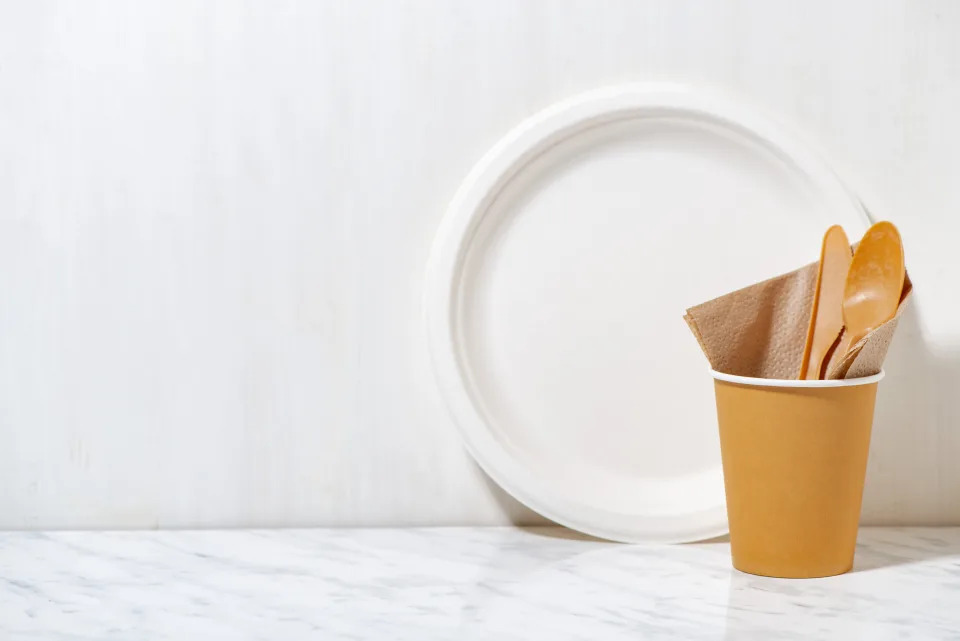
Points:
(215, 217)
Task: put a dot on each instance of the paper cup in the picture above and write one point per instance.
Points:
(794, 460)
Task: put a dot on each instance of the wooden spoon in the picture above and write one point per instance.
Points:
(826, 314)
(874, 285)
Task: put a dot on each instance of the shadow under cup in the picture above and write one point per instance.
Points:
(794, 461)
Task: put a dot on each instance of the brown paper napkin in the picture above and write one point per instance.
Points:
(760, 330)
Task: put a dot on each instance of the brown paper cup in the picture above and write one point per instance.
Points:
(794, 460)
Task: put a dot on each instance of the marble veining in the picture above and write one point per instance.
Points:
(458, 583)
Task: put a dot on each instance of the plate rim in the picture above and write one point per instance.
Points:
(522, 144)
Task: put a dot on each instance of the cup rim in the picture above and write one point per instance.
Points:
(782, 382)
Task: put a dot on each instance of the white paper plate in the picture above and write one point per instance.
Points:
(557, 284)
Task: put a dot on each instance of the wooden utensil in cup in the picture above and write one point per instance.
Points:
(826, 314)
(873, 287)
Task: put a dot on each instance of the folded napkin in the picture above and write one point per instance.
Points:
(761, 330)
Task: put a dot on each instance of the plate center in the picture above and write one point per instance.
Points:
(574, 285)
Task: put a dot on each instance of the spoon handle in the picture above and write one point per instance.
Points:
(838, 353)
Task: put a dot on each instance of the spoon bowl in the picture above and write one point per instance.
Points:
(873, 287)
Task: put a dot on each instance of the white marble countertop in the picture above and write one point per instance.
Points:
(459, 583)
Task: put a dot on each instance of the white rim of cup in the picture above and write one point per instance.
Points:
(783, 382)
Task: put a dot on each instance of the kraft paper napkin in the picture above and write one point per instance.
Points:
(760, 330)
